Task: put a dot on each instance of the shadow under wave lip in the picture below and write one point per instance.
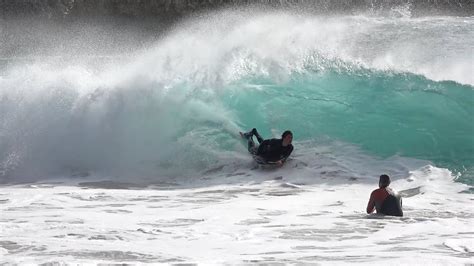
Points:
(109, 184)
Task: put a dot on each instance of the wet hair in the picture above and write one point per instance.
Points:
(384, 181)
(286, 133)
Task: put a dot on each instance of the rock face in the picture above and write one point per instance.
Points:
(174, 9)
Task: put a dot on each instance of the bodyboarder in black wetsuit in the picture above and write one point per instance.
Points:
(270, 151)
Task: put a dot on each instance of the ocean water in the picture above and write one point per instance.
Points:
(135, 157)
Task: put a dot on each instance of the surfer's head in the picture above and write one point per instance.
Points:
(287, 137)
(384, 181)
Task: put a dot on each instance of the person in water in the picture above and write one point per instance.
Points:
(270, 151)
(384, 199)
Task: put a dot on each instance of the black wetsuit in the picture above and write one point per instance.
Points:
(392, 205)
(270, 150)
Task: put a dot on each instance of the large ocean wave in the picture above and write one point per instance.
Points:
(393, 87)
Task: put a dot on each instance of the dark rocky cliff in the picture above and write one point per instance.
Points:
(174, 9)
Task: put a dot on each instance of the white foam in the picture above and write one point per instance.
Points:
(225, 46)
(253, 219)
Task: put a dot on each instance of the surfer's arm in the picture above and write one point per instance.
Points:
(279, 162)
(371, 204)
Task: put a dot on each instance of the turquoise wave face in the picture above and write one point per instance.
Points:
(384, 113)
(173, 109)
(148, 130)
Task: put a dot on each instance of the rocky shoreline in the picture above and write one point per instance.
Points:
(170, 10)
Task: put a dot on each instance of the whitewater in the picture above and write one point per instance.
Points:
(136, 158)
